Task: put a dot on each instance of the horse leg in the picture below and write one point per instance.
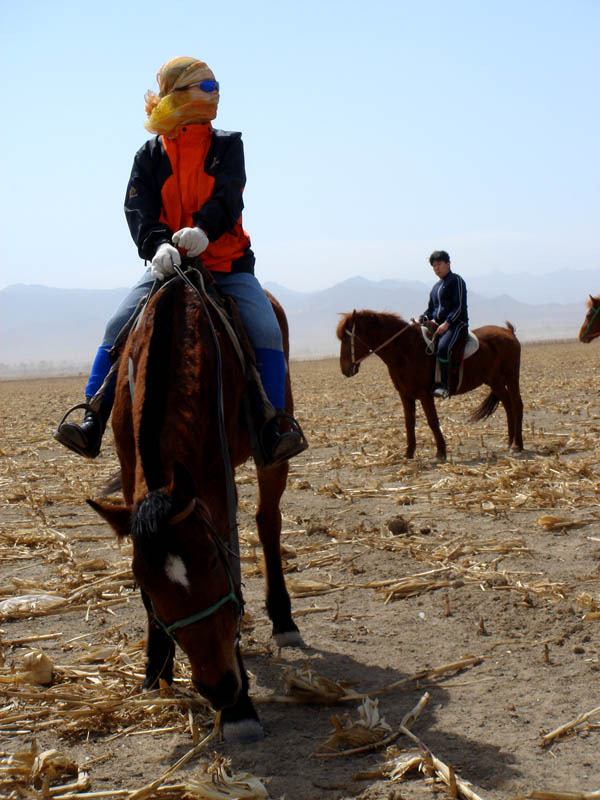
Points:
(160, 651)
(240, 722)
(271, 485)
(514, 415)
(409, 423)
(434, 423)
(516, 443)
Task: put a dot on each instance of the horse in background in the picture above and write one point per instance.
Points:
(591, 324)
(401, 346)
(181, 500)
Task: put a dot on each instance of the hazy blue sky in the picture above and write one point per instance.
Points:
(374, 132)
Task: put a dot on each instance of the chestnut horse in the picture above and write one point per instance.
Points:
(401, 347)
(591, 324)
(180, 498)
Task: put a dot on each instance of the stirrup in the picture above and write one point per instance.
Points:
(72, 445)
(441, 391)
(291, 442)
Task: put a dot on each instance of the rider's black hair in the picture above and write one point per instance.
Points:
(439, 255)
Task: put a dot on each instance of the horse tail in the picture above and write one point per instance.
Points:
(157, 384)
(486, 409)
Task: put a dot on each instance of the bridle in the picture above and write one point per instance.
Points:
(354, 362)
(222, 549)
(590, 324)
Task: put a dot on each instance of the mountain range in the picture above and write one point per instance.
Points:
(45, 330)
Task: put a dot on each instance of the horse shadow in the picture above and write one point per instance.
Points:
(293, 731)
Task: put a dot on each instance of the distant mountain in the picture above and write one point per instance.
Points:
(313, 316)
(62, 327)
(57, 331)
(561, 286)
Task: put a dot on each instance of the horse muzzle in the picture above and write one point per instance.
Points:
(351, 370)
(225, 694)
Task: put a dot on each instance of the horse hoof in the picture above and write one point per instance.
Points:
(243, 732)
(289, 639)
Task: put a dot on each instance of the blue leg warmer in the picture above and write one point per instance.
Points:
(100, 369)
(272, 369)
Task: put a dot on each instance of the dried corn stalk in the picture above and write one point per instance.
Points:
(29, 768)
(308, 588)
(551, 523)
(309, 687)
(216, 783)
(38, 668)
(568, 728)
(368, 729)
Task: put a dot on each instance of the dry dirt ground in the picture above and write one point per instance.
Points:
(395, 568)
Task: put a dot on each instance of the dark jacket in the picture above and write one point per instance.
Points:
(448, 301)
(195, 179)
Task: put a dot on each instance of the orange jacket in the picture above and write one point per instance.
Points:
(196, 179)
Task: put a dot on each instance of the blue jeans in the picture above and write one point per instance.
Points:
(258, 319)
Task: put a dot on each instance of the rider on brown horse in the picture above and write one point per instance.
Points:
(447, 310)
(184, 198)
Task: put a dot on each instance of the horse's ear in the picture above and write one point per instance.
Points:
(182, 488)
(118, 517)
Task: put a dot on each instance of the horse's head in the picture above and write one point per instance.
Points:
(591, 324)
(183, 570)
(352, 349)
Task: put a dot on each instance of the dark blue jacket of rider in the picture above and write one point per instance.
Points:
(448, 303)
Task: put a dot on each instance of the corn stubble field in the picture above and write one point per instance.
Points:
(451, 611)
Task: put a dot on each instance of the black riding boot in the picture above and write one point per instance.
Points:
(85, 437)
(278, 445)
(441, 389)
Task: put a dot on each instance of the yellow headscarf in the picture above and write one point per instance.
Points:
(169, 109)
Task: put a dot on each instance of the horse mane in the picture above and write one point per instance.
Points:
(158, 369)
(373, 317)
(151, 516)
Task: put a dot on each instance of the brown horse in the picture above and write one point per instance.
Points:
(180, 497)
(401, 347)
(591, 324)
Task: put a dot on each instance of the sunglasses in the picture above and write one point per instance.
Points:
(205, 86)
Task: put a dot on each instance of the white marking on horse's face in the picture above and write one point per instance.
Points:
(176, 571)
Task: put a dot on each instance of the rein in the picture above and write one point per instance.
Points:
(232, 595)
(372, 351)
(590, 324)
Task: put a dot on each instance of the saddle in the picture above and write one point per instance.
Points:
(429, 335)
(470, 346)
(257, 406)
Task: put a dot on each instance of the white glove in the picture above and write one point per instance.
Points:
(193, 240)
(164, 258)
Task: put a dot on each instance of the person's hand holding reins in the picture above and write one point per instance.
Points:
(443, 328)
(193, 241)
(162, 264)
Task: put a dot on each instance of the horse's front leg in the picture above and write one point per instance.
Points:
(271, 485)
(240, 722)
(160, 651)
(434, 423)
(409, 422)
